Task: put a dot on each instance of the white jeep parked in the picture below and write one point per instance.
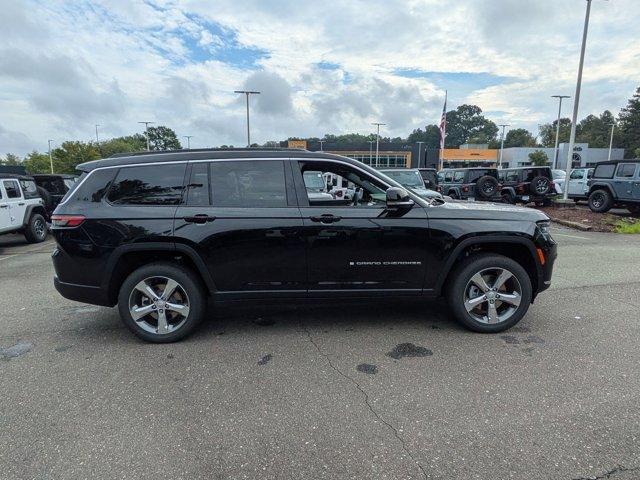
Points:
(21, 208)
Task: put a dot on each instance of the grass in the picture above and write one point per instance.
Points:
(627, 226)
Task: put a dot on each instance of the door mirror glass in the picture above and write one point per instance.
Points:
(398, 198)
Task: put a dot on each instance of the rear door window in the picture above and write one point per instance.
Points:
(259, 183)
(12, 188)
(511, 176)
(626, 170)
(29, 189)
(604, 171)
(198, 186)
(458, 176)
(148, 185)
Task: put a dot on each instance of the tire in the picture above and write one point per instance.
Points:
(47, 199)
(454, 195)
(507, 197)
(486, 186)
(36, 230)
(188, 292)
(462, 288)
(600, 201)
(540, 185)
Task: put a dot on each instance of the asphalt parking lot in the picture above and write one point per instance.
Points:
(369, 391)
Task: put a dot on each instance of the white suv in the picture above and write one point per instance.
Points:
(21, 208)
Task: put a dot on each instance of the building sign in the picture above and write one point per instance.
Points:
(297, 144)
(478, 154)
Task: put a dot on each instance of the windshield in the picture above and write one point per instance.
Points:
(410, 178)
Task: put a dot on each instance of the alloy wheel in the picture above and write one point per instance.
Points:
(40, 228)
(597, 200)
(159, 305)
(492, 295)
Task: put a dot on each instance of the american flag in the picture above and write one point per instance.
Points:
(443, 122)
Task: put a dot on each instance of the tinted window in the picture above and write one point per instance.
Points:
(53, 185)
(530, 173)
(448, 177)
(626, 170)
(29, 189)
(12, 189)
(150, 185)
(511, 176)
(93, 188)
(198, 186)
(458, 176)
(604, 171)
(248, 184)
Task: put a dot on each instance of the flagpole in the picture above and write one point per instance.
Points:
(443, 132)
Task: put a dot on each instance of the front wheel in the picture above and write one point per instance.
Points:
(161, 302)
(489, 293)
(600, 201)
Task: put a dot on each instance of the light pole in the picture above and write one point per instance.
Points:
(504, 125)
(247, 93)
(321, 142)
(613, 127)
(146, 131)
(556, 152)
(188, 137)
(419, 153)
(378, 142)
(97, 140)
(370, 151)
(50, 157)
(576, 103)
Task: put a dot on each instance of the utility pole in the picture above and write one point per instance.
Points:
(576, 103)
(188, 137)
(370, 151)
(146, 131)
(378, 142)
(321, 142)
(556, 151)
(504, 125)
(613, 126)
(50, 157)
(97, 140)
(419, 153)
(247, 93)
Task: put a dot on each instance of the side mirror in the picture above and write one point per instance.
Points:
(398, 198)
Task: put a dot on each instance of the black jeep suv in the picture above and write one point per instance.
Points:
(160, 234)
(615, 183)
(465, 183)
(527, 184)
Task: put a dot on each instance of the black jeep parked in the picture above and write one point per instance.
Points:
(52, 188)
(430, 177)
(465, 183)
(615, 183)
(527, 184)
(159, 234)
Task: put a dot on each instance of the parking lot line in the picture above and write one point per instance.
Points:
(36, 250)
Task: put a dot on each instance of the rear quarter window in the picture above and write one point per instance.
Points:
(604, 171)
(474, 175)
(29, 189)
(148, 185)
(626, 170)
(91, 187)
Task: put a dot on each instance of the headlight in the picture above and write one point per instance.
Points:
(544, 226)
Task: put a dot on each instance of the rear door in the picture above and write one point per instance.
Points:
(623, 180)
(242, 218)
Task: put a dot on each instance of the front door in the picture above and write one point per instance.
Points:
(15, 202)
(355, 245)
(577, 181)
(242, 218)
(5, 215)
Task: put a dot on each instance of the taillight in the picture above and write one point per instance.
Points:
(465, 189)
(520, 188)
(67, 220)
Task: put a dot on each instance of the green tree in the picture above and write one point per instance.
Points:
(519, 137)
(595, 130)
(10, 159)
(629, 126)
(131, 143)
(548, 132)
(430, 136)
(72, 153)
(37, 162)
(539, 158)
(466, 124)
(163, 138)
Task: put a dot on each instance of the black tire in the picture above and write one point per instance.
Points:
(540, 185)
(460, 278)
(47, 199)
(600, 201)
(454, 195)
(196, 300)
(487, 186)
(36, 231)
(508, 197)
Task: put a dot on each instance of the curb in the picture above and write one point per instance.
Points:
(568, 223)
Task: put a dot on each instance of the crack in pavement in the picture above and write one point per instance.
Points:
(366, 400)
(610, 473)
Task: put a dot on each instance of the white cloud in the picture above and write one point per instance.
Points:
(65, 66)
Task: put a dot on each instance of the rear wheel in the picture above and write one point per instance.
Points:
(161, 302)
(507, 197)
(489, 293)
(36, 230)
(600, 201)
(453, 194)
(540, 185)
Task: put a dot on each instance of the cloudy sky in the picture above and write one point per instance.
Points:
(322, 66)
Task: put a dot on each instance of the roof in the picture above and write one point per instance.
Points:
(53, 175)
(614, 162)
(206, 154)
(15, 176)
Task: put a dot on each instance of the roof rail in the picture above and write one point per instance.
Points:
(231, 149)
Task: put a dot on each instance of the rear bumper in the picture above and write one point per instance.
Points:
(82, 293)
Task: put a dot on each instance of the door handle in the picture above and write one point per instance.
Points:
(4, 206)
(21, 204)
(200, 218)
(326, 218)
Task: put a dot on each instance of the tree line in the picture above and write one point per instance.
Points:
(465, 124)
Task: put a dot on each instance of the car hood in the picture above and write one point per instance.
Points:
(426, 193)
(485, 211)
